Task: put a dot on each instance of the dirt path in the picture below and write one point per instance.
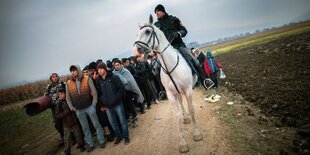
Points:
(157, 132)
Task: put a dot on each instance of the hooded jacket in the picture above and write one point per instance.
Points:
(110, 90)
(211, 65)
(132, 85)
(80, 91)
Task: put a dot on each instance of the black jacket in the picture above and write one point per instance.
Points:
(110, 90)
(141, 69)
(169, 24)
(132, 70)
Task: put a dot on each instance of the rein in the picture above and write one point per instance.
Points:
(145, 47)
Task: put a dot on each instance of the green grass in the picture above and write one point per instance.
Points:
(239, 137)
(17, 129)
(258, 41)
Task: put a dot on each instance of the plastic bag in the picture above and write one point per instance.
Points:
(222, 75)
(213, 98)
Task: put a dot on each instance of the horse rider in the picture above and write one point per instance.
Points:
(174, 30)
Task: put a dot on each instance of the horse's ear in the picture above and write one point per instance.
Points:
(139, 25)
(151, 19)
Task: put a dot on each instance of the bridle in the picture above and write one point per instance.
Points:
(145, 47)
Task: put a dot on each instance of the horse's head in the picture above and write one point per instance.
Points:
(147, 40)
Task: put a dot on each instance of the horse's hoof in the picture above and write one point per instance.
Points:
(198, 137)
(187, 120)
(184, 148)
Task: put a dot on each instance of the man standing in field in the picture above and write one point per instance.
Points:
(82, 99)
(111, 92)
(174, 30)
(132, 92)
(52, 90)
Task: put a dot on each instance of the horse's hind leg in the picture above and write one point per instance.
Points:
(197, 133)
(186, 119)
(174, 105)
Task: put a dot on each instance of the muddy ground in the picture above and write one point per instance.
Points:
(275, 77)
(270, 88)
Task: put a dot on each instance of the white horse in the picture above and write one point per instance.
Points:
(176, 75)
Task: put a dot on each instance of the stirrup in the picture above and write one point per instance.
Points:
(208, 83)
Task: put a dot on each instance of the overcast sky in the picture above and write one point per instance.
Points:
(43, 36)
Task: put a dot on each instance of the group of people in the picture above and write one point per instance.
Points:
(102, 98)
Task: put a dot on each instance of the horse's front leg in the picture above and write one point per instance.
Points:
(197, 133)
(186, 119)
(174, 105)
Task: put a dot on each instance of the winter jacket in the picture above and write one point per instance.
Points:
(201, 57)
(211, 65)
(81, 91)
(141, 72)
(110, 90)
(52, 90)
(65, 115)
(170, 24)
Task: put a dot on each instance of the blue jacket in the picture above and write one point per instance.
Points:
(211, 62)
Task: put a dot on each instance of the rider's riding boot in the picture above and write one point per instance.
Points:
(194, 65)
(200, 73)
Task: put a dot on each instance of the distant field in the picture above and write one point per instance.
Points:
(24, 92)
(259, 38)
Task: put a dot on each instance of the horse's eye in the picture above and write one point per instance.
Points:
(147, 32)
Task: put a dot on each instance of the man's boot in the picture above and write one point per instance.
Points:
(135, 122)
(194, 65)
(206, 82)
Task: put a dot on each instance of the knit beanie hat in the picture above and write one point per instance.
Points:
(160, 7)
(54, 74)
(92, 65)
(102, 65)
(98, 61)
(85, 68)
(109, 64)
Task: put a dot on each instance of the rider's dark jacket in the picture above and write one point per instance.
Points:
(169, 24)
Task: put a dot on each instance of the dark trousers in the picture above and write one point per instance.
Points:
(160, 85)
(58, 124)
(129, 105)
(213, 77)
(193, 63)
(69, 133)
(146, 91)
(152, 89)
(103, 120)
